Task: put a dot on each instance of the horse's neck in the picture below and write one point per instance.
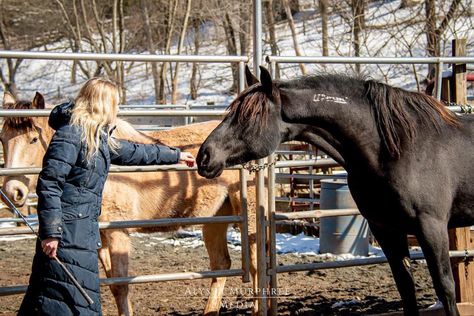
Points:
(345, 131)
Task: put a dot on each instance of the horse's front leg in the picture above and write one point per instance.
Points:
(434, 241)
(104, 255)
(395, 247)
(215, 239)
(119, 249)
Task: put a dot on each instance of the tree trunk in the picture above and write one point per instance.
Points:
(431, 36)
(117, 40)
(270, 16)
(8, 81)
(359, 23)
(323, 8)
(151, 48)
(231, 49)
(174, 86)
(173, 7)
(244, 28)
(291, 23)
(193, 81)
(433, 33)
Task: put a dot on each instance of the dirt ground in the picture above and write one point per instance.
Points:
(346, 291)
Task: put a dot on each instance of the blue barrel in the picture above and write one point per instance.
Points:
(341, 234)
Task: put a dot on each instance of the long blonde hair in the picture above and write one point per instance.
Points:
(96, 107)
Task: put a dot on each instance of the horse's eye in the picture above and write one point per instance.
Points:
(34, 140)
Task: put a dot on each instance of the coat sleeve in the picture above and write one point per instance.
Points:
(58, 161)
(133, 154)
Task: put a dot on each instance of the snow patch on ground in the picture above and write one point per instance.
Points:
(298, 245)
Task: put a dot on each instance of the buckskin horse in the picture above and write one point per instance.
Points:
(408, 159)
(137, 196)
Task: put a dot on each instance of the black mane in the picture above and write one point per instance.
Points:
(397, 112)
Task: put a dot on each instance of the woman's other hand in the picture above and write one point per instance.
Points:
(187, 158)
(50, 246)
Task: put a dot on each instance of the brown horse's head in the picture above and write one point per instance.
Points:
(24, 140)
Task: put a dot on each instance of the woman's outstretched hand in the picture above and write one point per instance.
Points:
(50, 246)
(187, 158)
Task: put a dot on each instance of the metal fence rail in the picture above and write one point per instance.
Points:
(123, 57)
(368, 60)
(361, 261)
(320, 163)
(162, 222)
(439, 61)
(162, 277)
(121, 113)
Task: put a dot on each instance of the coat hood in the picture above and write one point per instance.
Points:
(60, 115)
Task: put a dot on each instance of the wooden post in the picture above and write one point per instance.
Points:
(459, 72)
(460, 238)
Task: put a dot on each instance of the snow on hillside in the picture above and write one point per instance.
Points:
(53, 77)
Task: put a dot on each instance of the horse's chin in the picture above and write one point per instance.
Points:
(211, 172)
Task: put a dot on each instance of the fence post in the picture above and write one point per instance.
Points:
(460, 238)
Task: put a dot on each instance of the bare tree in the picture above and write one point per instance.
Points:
(196, 23)
(291, 23)
(81, 28)
(231, 43)
(434, 32)
(323, 8)
(151, 47)
(8, 80)
(358, 13)
(174, 91)
(21, 31)
(270, 19)
(171, 19)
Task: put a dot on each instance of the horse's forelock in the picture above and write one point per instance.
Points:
(19, 122)
(250, 104)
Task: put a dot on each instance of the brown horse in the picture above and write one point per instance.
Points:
(136, 196)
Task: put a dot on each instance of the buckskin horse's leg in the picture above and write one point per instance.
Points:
(434, 241)
(119, 247)
(215, 239)
(395, 247)
(104, 256)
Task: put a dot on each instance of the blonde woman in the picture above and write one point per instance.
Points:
(69, 192)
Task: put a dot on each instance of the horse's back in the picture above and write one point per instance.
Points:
(168, 194)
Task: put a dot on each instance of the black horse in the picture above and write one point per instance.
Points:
(408, 159)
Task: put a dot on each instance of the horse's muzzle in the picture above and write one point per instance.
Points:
(206, 167)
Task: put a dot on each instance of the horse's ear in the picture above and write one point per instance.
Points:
(8, 98)
(38, 101)
(251, 79)
(266, 80)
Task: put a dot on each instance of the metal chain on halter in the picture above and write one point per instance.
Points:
(465, 108)
(467, 260)
(253, 167)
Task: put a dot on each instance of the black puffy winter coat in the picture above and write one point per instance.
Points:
(69, 198)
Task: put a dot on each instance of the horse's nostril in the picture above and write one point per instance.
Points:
(205, 158)
(19, 196)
